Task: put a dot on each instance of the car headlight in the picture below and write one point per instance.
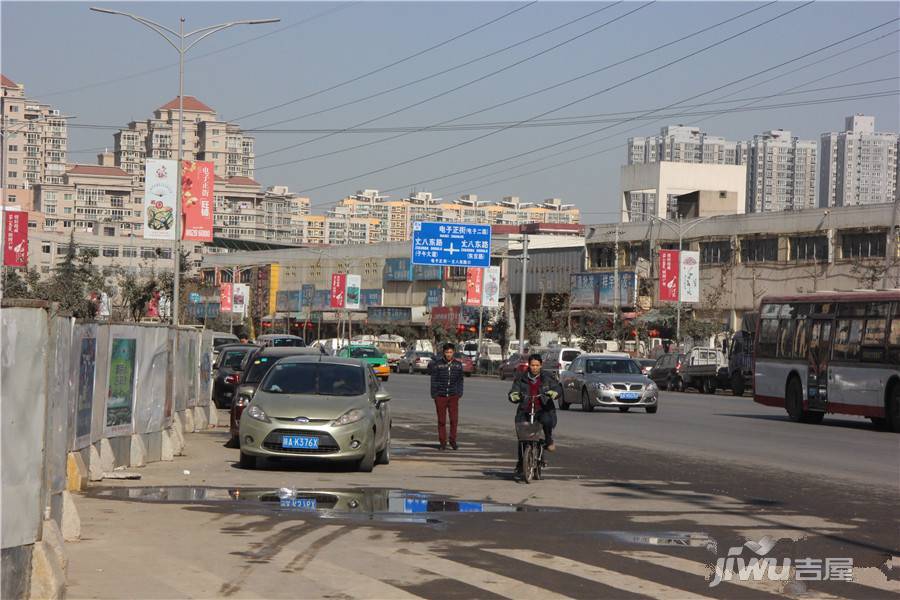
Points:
(599, 386)
(255, 412)
(243, 400)
(651, 387)
(351, 416)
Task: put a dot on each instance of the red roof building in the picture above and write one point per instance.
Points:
(190, 103)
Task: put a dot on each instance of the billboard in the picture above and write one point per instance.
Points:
(120, 402)
(434, 297)
(226, 293)
(398, 269)
(84, 402)
(427, 273)
(389, 314)
(321, 300)
(474, 281)
(160, 181)
(287, 301)
(15, 249)
(669, 267)
(351, 291)
(491, 288)
(307, 292)
(445, 316)
(370, 297)
(241, 298)
(197, 179)
(689, 276)
(592, 290)
(338, 288)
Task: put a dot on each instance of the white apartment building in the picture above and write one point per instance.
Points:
(680, 143)
(858, 165)
(205, 138)
(781, 172)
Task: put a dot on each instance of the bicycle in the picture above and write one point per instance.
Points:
(531, 445)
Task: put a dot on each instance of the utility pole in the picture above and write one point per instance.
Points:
(524, 293)
(616, 276)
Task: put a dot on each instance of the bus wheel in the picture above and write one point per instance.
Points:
(892, 410)
(793, 400)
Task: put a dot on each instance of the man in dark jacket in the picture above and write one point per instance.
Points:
(446, 390)
(541, 387)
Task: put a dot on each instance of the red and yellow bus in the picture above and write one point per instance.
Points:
(830, 352)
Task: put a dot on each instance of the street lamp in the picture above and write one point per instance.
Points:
(179, 44)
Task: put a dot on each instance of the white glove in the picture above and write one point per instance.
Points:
(515, 397)
(552, 394)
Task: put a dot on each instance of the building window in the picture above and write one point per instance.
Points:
(809, 248)
(111, 251)
(45, 247)
(129, 252)
(109, 231)
(13, 174)
(13, 161)
(863, 245)
(603, 256)
(715, 253)
(759, 250)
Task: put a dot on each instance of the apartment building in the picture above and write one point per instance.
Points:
(244, 211)
(781, 172)
(205, 138)
(679, 143)
(859, 165)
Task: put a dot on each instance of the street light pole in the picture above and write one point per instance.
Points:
(523, 295)
(180, 47)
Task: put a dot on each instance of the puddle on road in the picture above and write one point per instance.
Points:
(377, 504)
(687, 539)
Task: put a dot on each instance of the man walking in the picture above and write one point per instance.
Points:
(446, 390)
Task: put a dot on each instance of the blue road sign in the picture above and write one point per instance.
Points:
(451, 244)
(194, 297)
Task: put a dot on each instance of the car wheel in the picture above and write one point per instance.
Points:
(624, 408)
(367, 462)
(248, 461)
(737, 384)
(678, 384)
(384, 456)
(651, 409)
(586, 405)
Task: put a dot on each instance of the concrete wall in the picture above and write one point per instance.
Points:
(672, 178)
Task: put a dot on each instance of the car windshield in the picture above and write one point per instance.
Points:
(366, 353)
(233, 359)
(607, 365)
(258, 368)
(222, 341)
(568, 355)
(286, 341)
(321, 379)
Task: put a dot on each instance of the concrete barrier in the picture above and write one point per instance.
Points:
(79, 400)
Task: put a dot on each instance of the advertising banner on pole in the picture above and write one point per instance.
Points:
(197, 179)
(689, 276)
(474, 280)
(351, 291)
(160, 181)
(491, 288)
(226, 293)
(669, 267)
(15, 251)
(241, 298)
(338, 289)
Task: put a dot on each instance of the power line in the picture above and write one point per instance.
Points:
(532, 94)
(466, 84)
(439, 73)
(614, 86)
(389, 65)
(341, 6)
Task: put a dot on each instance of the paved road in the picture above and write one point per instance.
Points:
(719, 428)
(633, 506)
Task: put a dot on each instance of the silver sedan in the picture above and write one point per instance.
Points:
(605, 380)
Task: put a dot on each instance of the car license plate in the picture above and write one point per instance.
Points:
(628, 396)
(299, 441)
(300, 503)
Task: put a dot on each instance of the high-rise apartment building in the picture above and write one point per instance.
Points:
(679, 143)
(781, 172)
(205, 138)
(858, 165)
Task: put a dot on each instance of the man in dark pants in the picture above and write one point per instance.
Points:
(541, 387)
(446, 390)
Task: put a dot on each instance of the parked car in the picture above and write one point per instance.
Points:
(516, 363)
(604, 380)
(318, 407)
(559, 358)
(255, 366)
(280, 339)
(219, 339)
(469, 349)
(646, 364)
(369, 354)
(667, 372)
(227, 372)
(414, 361)
(468, 365)
(701, 369)
(491, 356)
(392, 349)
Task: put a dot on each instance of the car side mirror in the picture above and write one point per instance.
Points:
(382, 396)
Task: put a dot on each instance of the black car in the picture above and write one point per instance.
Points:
(227, 369)
(666, 374)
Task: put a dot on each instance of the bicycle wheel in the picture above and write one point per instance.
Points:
(528, 463)
(539, 464)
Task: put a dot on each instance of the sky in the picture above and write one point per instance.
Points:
(108, 70)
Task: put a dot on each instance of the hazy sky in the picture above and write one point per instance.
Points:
(61, 51)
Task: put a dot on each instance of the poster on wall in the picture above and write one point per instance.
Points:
(241, 298)
(84, 403)
(120, 401)
(689, 276)
(338, 285)
(15, 250)
(225, 296)
(668, 275)
(351, 291)
(197, 200)
(160, 191)
(474, 280)
(491, 287)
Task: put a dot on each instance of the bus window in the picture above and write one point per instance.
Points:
(852, 309)
(786, 331)
(846, 343)
(878, 309)
(768, 337)
(894, 341)
(820, 341)
(873, 340)
(769, 311)
(801, 340)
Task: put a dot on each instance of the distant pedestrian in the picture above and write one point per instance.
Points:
(446, 390)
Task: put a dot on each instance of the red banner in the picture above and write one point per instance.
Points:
(225, 297)
(15, 251)
(338, 287)
(669, 273)
(474, 284)
(197, 179)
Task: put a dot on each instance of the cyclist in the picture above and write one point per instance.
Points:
(541, 387)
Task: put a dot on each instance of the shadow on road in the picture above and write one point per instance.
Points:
(827, 422)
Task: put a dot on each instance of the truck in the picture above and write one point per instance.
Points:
(701, 369)
(738, 375)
